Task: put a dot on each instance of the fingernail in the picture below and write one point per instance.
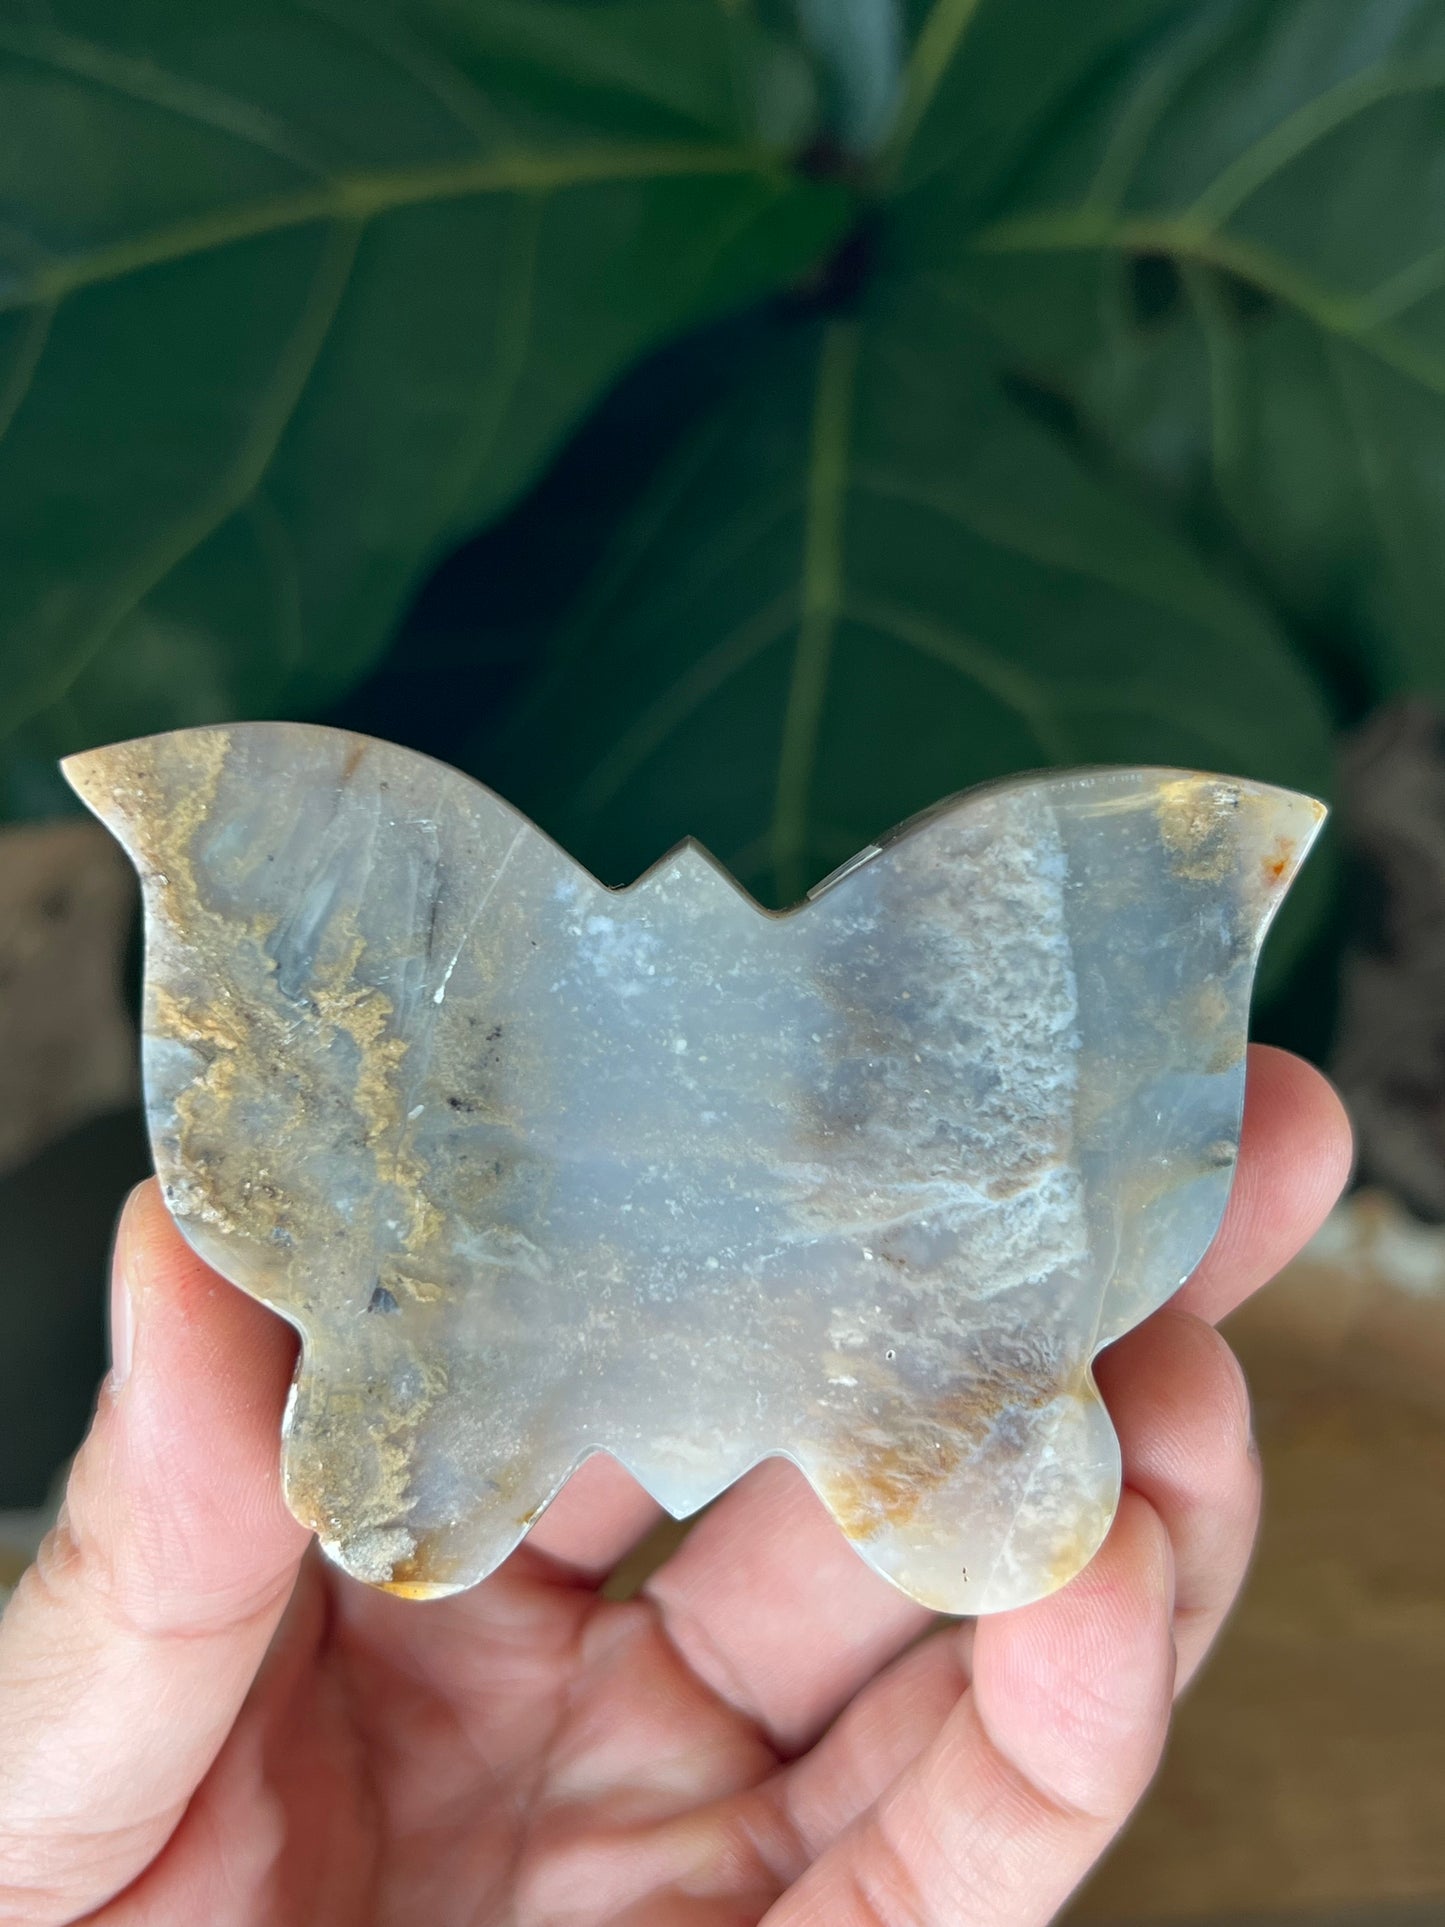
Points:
(122, 1309)
(122, 1329)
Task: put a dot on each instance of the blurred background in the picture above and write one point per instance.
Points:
(758, 419)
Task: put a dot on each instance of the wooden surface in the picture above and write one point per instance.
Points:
(1403, 1913)
(1306, 1778)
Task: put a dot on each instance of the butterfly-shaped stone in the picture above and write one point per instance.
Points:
(539, 1168)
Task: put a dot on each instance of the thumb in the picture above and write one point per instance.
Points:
(130, 1644)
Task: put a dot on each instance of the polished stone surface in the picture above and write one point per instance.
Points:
(539, 1168)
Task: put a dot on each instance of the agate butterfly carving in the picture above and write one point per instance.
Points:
(539, 1168)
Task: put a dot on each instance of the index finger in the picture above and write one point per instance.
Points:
(130, 1644)
(1295, 1152)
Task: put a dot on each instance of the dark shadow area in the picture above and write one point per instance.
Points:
(57, 1218)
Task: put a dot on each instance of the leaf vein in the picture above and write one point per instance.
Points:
(1311, 123)
(820, 595)
(965, 654)
(509, 347)
(1147, 107)
(681, 699)
(1011, 542)
(1400, 292)
(21, 378)
(1344, 315)
(238, 480)
(442, 78)
(1226, 400)
(358, 197)
(149, 84)
(934, 51)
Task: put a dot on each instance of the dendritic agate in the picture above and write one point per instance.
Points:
(539, 1168)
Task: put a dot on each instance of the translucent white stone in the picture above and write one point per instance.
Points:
(539, 1168)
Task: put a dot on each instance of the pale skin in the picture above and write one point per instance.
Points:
(202, 1721)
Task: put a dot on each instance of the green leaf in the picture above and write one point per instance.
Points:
(869, 580)
(873, 576)
(294, 295)
(985, 77)
(1230, 255)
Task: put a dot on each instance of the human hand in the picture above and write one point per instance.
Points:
(201, 1722)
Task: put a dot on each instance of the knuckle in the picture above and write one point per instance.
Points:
(1213, 1383)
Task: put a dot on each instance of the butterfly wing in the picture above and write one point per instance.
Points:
(339, 1012)
(1034, 1115)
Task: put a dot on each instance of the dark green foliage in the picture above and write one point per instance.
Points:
(1230, 252)
(293, 296)
(1087, 401)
